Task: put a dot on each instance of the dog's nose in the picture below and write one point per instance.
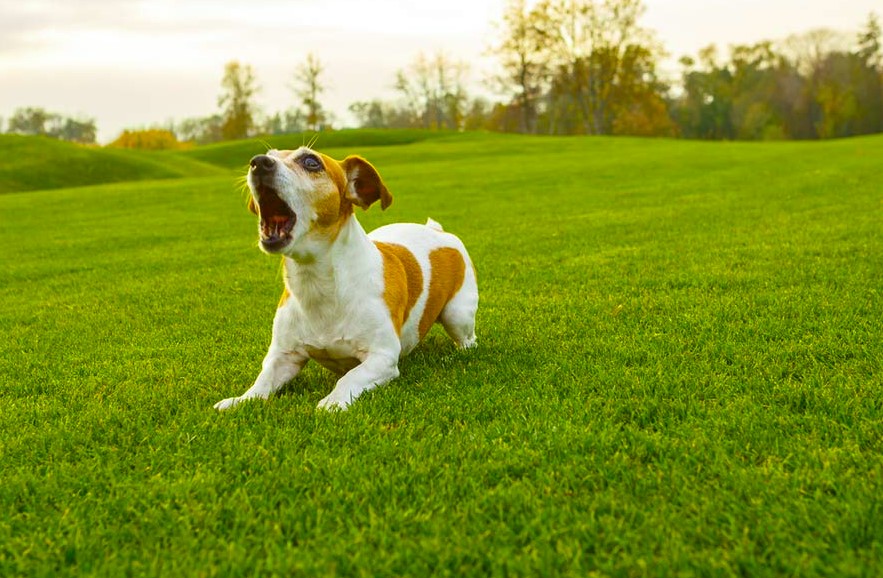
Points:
(263, 164)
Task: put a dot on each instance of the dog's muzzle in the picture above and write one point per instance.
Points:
(277, 218)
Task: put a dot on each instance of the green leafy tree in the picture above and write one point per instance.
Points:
(705, 108)
(201, 130)
(370, 114)
(31, 121)
(287, 122)
(37, 121)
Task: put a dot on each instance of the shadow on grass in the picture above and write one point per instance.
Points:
(436, 358)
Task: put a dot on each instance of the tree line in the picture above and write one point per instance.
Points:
(571, 67)
(38, 121)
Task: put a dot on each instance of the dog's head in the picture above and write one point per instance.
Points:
(304, 197)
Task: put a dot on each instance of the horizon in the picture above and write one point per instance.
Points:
(55, 55)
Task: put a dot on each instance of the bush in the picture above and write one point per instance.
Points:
(151, 139)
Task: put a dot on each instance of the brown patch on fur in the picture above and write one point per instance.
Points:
(402, 282)
(447, 268)
(337, 175)
(252, 206)
(367, 186)
(338, 365)
(330, 202)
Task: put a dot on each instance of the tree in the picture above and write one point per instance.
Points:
(308, 87)
(434, 92)
(705, 108)
(370, 114)
(287, 122)
(201, 130)
(869, 48)
(37, 121)
(754, 114)
(599, 62)
(76, 130)
(524, 61)
(236, 101)
(31, 121)
(868, 66)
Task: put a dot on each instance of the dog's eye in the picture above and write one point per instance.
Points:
(311, 163)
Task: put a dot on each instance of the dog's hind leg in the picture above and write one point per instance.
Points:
(458, 316)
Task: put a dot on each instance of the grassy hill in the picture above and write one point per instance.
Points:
(32, 163)
(678, 373)
(235, 154)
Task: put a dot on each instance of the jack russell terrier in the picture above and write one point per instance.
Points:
(353, 302)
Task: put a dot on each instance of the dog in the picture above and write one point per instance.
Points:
(353, 302)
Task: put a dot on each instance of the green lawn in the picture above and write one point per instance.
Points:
(678, 373)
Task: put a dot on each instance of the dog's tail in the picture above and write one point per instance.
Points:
(434, 225)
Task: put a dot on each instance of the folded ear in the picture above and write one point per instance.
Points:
(363, 184)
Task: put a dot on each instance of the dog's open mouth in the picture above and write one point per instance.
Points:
(277, 220)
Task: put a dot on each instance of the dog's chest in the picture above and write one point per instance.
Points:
(339, 358)
(333, 334)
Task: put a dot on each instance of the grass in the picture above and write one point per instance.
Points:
(31, 163)
(678, 373)
(235, 154)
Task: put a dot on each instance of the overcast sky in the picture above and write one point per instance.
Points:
(133, 63)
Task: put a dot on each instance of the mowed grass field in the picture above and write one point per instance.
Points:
(678, 372)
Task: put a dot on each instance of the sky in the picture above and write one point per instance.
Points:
(137, 63)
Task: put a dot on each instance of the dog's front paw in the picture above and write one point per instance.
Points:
(334, 403)
(228, 403)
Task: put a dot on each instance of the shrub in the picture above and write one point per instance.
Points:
(150, 139)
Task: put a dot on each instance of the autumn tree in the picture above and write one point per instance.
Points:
(608, 61)
(308, 87)
(582, 66)
(147, 139)
(237, 101)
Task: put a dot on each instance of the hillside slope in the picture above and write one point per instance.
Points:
(30, 163)
(235, 154)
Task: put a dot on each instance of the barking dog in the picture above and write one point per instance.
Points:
(353, 302)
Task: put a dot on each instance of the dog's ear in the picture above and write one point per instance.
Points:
(363, 184)
(252, 206)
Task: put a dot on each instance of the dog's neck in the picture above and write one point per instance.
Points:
(318, 268)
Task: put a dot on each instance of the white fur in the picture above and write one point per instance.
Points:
(336, 312)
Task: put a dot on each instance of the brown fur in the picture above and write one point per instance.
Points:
(368, 185)
(447, 269)
(402, 280)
